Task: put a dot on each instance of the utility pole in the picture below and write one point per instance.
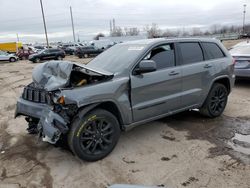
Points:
(114, 28)
(72, 23)
(44, 24)
(110, 26)
(17, 37)
(78, 40)
(244, 17)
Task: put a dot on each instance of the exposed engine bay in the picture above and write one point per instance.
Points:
(55, 75)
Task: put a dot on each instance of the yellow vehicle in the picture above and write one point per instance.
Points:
(11, 47)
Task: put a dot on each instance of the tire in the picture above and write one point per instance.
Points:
(59, 57)
(93, 136)
(12, 59)
(80, 56)
(215, 102)
(85, 55)
(36, 60)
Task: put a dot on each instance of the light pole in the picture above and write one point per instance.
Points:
(44, 24)
(17, 37)
(244, 17)
(72, 23)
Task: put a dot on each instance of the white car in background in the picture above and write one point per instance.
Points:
(4, 56)
(241, 54)
(243, 43)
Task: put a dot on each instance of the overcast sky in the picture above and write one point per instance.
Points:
(92, 16)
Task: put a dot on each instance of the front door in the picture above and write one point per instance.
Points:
(157, 93)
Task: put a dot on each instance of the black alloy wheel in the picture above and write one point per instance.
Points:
(216, 101)
(95, 135)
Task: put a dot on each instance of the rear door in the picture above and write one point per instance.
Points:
(195, 73)
(45, 55)
(158, 92)
(53, 53)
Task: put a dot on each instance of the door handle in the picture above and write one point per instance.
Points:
(172, 73)
(207, 66)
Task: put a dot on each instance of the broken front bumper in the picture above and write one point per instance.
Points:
(51, 125)
(28, 108)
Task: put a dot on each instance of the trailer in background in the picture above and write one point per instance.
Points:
(11, 47)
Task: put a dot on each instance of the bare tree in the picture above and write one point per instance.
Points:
(196, 31)
(98, 36)
(169, 33)
(133, 31)
(117, 32)
(215, 29)
(153, 31)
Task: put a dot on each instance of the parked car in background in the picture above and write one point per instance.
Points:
(127, 85)
(24, 53)
(241, 54)
(39, 48)
(243, 43)
(47, 54)
(4, 56)
(69, 50)
(87, 51)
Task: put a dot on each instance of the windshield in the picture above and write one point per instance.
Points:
(42, 51)
(117, 58)
(3, 53)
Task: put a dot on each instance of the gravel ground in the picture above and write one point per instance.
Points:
(185, 150)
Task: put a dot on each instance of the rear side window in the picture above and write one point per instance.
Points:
(191, 52)
(213, 50)
(53, 50)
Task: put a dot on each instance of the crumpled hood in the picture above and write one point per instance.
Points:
(53, 75)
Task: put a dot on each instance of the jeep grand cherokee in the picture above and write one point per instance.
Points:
(129, 84)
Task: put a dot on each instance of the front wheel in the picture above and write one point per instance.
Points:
(12, 59)
(95, 135)
(216, 101)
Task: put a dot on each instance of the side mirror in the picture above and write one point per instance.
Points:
(146, 66)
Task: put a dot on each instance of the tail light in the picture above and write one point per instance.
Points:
(234, 61)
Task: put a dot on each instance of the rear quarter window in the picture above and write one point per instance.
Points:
(213, 51)
(191, 52)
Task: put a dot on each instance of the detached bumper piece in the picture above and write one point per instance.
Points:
(51, 126)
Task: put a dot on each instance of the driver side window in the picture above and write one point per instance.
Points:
(163, 56)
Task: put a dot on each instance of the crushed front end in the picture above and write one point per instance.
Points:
(44, 117)
(47, 111)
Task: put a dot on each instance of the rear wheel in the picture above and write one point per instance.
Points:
(216, 101)
(59, 57)
(36, 60)
(12, 59)
(95, 135)
(24, 58)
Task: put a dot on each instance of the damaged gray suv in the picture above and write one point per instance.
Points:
(129, 84)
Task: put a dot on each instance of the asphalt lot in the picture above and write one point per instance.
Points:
(184, 150)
